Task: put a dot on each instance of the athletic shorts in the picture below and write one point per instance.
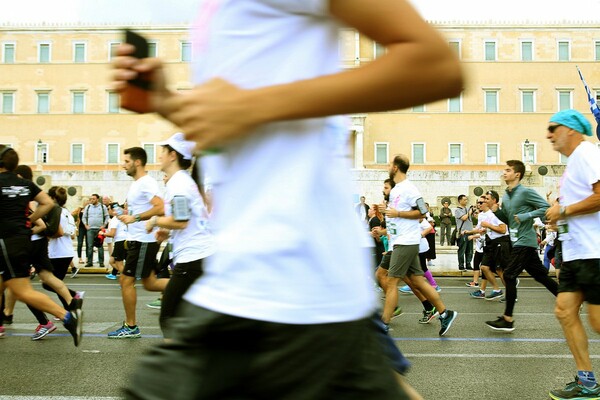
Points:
(385, 261)
(141, 259)
(405, 261)
(39, 255)
(119, 253)
(218, 356)
(496, 254)
(15, 255)
(581, 275)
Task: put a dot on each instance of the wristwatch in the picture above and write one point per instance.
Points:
(137, 217)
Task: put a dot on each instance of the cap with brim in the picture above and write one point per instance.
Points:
(180, 145)
(574, 120)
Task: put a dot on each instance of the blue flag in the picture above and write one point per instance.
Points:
(592, 101)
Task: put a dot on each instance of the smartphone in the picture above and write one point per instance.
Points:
(421, 206)
(136, 96)
(180, 208)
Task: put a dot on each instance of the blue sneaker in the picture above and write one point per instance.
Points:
(437, 288)
(125, 332)
(405, 289)
(478, 294)
(446, 323)
(575, 390)
(110, 276)
(495, 295)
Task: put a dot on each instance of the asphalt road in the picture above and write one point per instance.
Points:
(471, 362)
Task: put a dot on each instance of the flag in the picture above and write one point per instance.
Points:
(592, 101)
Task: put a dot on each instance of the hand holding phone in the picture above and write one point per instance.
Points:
(136, 97)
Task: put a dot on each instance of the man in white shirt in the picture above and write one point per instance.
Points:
(402, 220)
(577, 216)
(143, 202)
(268, 311)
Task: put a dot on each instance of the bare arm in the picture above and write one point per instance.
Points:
(45, 204)
(588, 205)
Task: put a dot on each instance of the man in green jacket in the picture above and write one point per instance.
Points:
(520, 205)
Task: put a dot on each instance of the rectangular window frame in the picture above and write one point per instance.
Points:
(42, 153)
(460, 147)
(108, 147)
(38, 95)
(76, 44)
(151, 157)
(413, 158)
(533, 99)
(485, 53)
(559, 92)
(112, 44)
(13, 99)
(74, 95)
(39, 52)
(521, 46)
(485, 100)
(558, 50)
(185, 51)
(73, 161)
(451, 102)
(457, 49)
(14, 52)
(487, 153)
(113, 102)
(533, 160)
(387, 153)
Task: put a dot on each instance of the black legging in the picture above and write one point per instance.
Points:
(60, 266)
(182, 278)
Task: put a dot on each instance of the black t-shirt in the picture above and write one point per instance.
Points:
(15, 195)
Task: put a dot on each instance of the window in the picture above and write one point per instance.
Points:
(597, 50)
(528, 152)
(562, 159)
(186, 51)
(420, 108)
(113, 102)
(455, 153)
(492, 153)
(379, 50)
(41, 153)
(491, 101)
(77, 153)
(112, 153)
(381, 153)
(112, 49)
(150, 152)
(44, 52)
(564, 100)
(527, 101)
(564, 51)
(43, 102)
(8, 53)
(526, 50)
(79, 52)
(8, 102)
(418, 153)
(455, 104)
(455, 47)
(490, 51)
(152, 49)
(78, 102)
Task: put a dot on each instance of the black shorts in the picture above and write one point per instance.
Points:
(39, 255)
(583, 276)
(15, 255)
(385, 261)
(496, 254)
(119, 253)
(217, 356)
(141, 259)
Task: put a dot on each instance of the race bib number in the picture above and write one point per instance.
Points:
(563, 230)
(513, 234)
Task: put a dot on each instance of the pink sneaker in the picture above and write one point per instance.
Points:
(42, 330)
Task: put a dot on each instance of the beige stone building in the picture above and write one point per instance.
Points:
(57, 109)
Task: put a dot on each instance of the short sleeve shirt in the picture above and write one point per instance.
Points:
(15, 195)
(138, 201)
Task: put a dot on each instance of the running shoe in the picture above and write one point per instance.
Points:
(428, 316)
(74, 272)
(156, 304)
(42, 330)
(446, 322)
(576, 390)
(125, 332)
(405, 289)
(110, 276)
(74, 324)
(438, 288)
(8, 319)
(397, 312)
(1, 331)
(501, 325)
(478, 294)
(495, 295)
(472, 284)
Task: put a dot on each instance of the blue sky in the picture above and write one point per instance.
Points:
(180, 11)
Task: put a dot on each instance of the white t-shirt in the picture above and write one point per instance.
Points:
(62, 247)
(138, 201)
(120, 229)
(195, 241)
(583, 170)
(490, 217)
(403, 197)
(281, 195)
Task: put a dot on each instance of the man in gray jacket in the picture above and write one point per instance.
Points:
(95, 217)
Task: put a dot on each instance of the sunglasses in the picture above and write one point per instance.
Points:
(552, 128)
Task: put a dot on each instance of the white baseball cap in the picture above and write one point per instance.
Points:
(180, 145)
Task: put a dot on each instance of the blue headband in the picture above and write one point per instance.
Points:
(574, 120)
